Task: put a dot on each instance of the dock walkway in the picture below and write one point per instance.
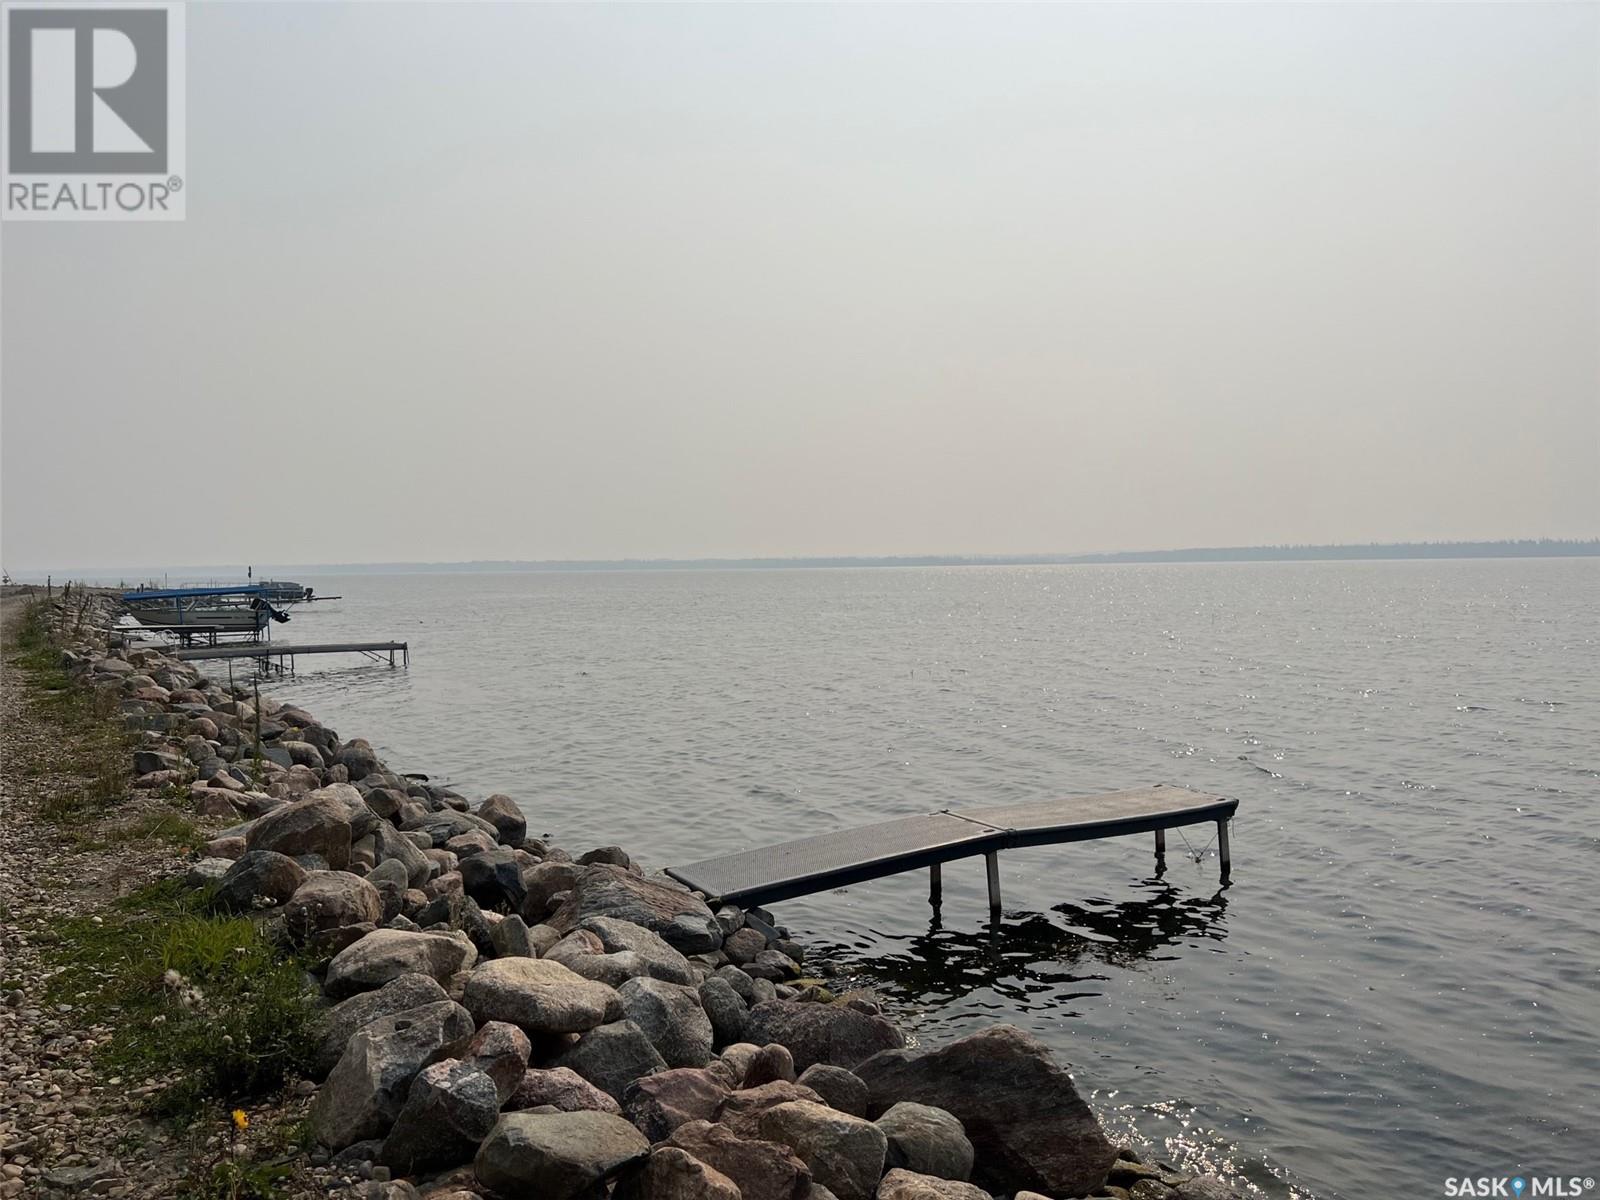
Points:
(284, 653)
(830, 860)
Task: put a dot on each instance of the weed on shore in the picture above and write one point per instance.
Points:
(86, 722)
(210, 1006)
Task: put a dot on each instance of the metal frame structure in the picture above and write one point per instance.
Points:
(816, 864)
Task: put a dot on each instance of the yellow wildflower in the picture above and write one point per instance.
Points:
(240, 1121)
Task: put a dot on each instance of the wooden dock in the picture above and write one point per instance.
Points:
(280, 656)
(831, 860)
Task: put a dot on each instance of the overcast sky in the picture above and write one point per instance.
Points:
(507, 281)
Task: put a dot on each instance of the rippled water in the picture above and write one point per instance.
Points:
(1403, 981)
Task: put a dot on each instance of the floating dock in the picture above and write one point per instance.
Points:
(280, 656)
(831, 860)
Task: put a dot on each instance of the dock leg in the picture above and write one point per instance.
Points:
(991, 860)
(1161, 851)
(935, 885)
(1222, 849)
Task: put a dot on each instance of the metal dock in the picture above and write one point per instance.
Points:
(816, 864)
(280, 656)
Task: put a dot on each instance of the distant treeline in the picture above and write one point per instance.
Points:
(1526, 548)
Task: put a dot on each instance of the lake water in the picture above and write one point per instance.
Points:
(1402, 983)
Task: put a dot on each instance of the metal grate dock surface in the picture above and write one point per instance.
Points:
(830, 860)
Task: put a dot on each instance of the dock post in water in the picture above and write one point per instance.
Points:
(935, 886)
(1222, 848)
(992, 861)
(1161, 851)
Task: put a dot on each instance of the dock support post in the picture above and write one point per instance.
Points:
(935, 885)
(1161, 851)
(1222, 849)
(991, 860)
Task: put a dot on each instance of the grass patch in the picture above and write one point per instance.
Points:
(93, 744)
(254, 1162)
(163, 825)
(234, 1179)
(210, 1005)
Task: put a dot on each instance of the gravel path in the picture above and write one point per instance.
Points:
(64, 1128)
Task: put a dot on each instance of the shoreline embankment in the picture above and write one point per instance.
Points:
(468, 1011)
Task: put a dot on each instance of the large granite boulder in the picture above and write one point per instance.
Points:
(657, 1104)
(901, 1184)
(502, 812)
(658, 959)
(147, 761)
(343, 1019)
(389, 844)
(838, 1087)
(385, 954)
(368, 1087)
(771, 1063)
(821, 1033)
(501, 1051)
(543, 882)
(761, 1170)
(258, 879)
(845, 1153)
(208, 872)
(742, 1111)
(302, 754)
(513, 937)
(601, 890)
(538, 995)
(926, 1140)
(673, 1174)
(331, 900)
(494, 879)
(583, 952)
(446, 823)
(671, 1017)
(727, 1012)
(556, 1156)
(1028, 1126)
(562, 1088)
(451, 1107)
(358, 758)
(317, 825)
(612, 1056)
(362, 819)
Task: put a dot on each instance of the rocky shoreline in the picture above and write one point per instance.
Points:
(500, 1016)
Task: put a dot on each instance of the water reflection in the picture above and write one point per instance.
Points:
(1029, 953)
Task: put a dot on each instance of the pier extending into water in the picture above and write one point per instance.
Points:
(830, 860)
(280, 656)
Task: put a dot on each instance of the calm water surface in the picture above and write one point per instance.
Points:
(1401, 985)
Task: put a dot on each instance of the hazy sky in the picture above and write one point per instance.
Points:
(507, 281)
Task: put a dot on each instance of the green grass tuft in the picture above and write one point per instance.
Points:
(209, 1005)
(87, 722)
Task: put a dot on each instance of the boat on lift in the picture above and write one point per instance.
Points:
(226, 609)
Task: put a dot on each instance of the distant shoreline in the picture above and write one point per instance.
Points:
(1362, 551)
